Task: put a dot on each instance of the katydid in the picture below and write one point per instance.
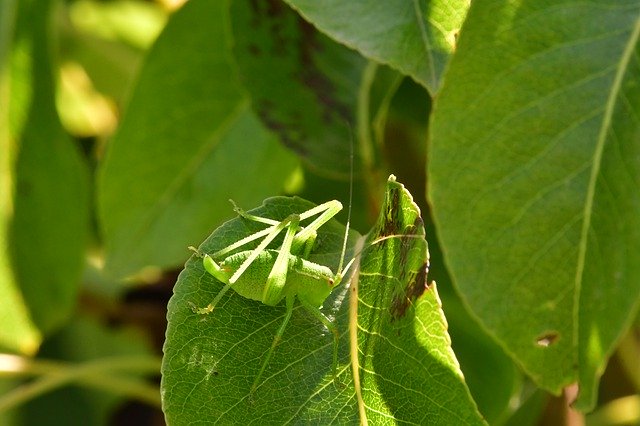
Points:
(269, 276)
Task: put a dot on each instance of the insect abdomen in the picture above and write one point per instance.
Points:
(309, 281)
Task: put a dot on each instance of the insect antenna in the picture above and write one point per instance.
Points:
(346, 228)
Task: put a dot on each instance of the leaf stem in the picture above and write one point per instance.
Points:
(363, 132)
(98, 374)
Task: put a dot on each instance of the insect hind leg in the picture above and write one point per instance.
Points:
(290, 302)
(330, 326)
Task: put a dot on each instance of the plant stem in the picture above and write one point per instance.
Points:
(97, 374)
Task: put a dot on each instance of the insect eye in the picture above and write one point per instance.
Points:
(331, 281)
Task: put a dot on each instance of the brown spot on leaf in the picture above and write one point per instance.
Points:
(280, 35)
(411, 292)
(391, 215)
(315, 79)
(418, 223)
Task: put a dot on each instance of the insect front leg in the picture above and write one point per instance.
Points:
(252, 217)
(218, 272)
(265, 232)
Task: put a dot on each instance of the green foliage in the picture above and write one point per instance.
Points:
(415, 37)
(311, 114)
(51, 178)
(518, 120)
(539, 178)
(184, 137)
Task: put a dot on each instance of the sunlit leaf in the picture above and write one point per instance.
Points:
(392, 333)
(534, 170)
(414, 37)
(49, 218)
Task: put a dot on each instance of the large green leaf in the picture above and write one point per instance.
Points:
(303, 85)
(414, 37)
(186, 140)
(18, 333)
(491, 375)
(534, 169)
(49, 226)
(392, 336)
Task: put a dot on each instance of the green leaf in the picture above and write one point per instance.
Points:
(48, 230)
(18, 332)
(493, 378)
(414, 37)
(534, 169)
(303, 85)
(491, 375)
(408, 371)
(186, 140)
(391, 331)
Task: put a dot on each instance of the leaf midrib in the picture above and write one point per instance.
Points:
(609, 110)
(198, 158)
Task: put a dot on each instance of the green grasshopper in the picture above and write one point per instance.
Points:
(269, 276)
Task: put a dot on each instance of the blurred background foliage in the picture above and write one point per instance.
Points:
(87, 348)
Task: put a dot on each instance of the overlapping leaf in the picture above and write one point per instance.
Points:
(43, 252)
(303, 85)
(534, 177)
(187, 137)
(414, 37)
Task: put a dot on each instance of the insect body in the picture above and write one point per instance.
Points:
(306, 280)
(271, 275)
